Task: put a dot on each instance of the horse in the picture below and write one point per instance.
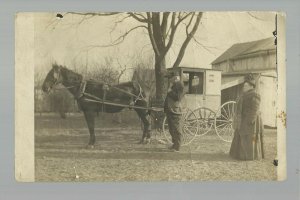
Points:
(88, 92)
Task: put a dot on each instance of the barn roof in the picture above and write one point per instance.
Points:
(241, 49)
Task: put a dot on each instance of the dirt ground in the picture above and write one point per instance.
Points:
(60, 154)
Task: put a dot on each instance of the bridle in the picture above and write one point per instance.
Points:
(57, 80)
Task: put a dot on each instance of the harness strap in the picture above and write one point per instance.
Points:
(96, 99)
(124, 91)
(105, 88)
(119, 89)
(140, 96)
(81, 90)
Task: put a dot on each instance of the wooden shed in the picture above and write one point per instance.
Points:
(257, 57)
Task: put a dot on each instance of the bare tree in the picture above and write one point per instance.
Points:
(161, 28)
(104, 72)
(144, 74)
(38, 95)
(38, 79)
(109, 72)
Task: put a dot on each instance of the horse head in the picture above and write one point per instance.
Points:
(53, 78)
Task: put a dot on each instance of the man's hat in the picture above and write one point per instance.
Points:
(249, 78)
(170, 74)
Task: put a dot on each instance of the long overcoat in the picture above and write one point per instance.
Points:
(247, 143)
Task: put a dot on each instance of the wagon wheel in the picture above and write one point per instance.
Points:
(224, 120)
(190, 128)
(206, 120)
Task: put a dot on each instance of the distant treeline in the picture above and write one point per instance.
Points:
(57, 101)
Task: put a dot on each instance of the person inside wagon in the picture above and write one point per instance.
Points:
(175, 107)
(247, 143)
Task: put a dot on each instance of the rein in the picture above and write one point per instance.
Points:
(104, 102)
(64, 87)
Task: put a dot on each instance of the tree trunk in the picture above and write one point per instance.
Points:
(160, 67)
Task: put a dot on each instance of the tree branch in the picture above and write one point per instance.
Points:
(164, 24)
(117, 41)
(84, 18)
(204, 46)
(187, 40)
(93, 13)
(157, 34)
(180, 19)
(150, 32)
(118, 22)
(135, 16)
(188, 25)
(249, 13)
(123, 19)
(141, 15)
(172, 23)
(173, 28)
(121, 38)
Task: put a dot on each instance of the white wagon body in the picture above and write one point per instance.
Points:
(203, 94)
(202, 87)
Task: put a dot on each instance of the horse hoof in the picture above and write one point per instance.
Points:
(90, 146)
(147, 141)
(141, 142)
(144, 141)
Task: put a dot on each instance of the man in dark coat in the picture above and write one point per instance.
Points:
(247, 143)
(175, 107)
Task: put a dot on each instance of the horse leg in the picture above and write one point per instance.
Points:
(147, 128)
(90, 120)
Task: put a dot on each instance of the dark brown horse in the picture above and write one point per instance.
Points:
(129, 93)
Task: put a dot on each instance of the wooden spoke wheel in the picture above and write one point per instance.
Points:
(224, 121)
(206, 120)
(190, 128)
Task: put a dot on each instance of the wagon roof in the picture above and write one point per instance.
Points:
(192, 69)
(241, 49)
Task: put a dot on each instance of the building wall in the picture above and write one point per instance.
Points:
(224, 66)
(267, 89)
(262, 61)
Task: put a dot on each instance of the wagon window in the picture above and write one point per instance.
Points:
(193, 82)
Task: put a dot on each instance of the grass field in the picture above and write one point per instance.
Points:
(60, 154)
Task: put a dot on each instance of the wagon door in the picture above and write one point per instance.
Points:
(194, 88)
(212, 89)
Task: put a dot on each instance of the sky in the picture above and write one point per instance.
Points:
(68, 41)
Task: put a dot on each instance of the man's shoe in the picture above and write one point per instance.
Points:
(175, 150)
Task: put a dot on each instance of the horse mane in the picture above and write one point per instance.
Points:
(68, 74)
